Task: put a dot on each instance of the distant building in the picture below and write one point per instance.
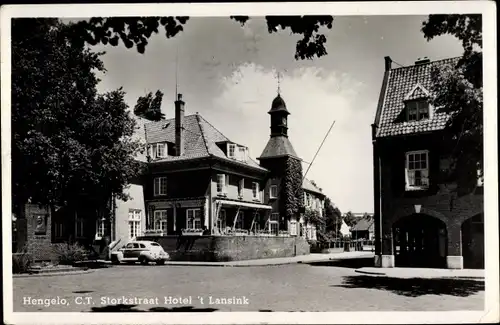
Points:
(364, 228)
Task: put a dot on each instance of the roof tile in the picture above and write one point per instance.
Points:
(200, 139)
(400, 83)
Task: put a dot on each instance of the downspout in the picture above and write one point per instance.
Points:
(376, 191)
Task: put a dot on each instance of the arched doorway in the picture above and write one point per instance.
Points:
(473, 242)
(420, 241)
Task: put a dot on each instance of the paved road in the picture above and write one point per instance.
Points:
(295, 287)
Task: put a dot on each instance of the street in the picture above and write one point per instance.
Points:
(294, 287)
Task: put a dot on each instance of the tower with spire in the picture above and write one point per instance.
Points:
(283, 188)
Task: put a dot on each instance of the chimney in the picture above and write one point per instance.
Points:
(179, 125)
(388, 63)
(423, 60)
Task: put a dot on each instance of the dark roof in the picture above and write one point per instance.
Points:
(363, 224)
(200, 139)
(278, 146)
(407, 83)
(307, 185)
(278, 105)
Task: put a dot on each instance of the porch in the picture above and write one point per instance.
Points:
(242, 218)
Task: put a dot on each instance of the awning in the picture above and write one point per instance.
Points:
(245, 204)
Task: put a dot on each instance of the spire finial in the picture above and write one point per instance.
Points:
(279, 82)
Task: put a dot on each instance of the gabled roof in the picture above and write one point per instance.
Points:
(200, 140)
(363, 224)
(309, 186)
(407, 83)
(278, 146)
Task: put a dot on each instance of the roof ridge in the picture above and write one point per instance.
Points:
(204, 119)
(202, 132)
(422, 64)
(167, 119)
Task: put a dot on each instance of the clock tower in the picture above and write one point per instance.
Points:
(285, 177)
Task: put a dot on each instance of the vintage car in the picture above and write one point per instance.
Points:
(140, 251)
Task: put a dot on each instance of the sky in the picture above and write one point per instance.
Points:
(227, 73)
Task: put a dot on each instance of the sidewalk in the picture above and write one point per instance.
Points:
(278, 261)
(405, 273)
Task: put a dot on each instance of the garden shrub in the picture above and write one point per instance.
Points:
(68, 254)
(21, 262)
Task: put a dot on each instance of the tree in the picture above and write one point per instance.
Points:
(459, 92)
(149, 107)
(69, 143)
(333, 218)
(135, 31)
(350, 219)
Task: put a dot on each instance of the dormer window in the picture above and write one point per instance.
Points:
(231, 150)
(417, 110)
(160, 151)
(242, 153)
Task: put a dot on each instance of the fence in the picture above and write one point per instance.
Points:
(343, 245)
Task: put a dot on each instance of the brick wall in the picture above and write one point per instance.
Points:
(230, 248)
(39, 232)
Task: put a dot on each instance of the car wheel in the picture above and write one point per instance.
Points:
(143, 260)
(160, 262)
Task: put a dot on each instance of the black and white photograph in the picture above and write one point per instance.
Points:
(250, 162)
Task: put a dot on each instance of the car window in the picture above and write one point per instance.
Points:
(136, 245)
(142, 246)
(129, 245)
(155, 244)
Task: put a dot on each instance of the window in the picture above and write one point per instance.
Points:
(241, 186)
(239, 220)
(58, 229)
(134, 223)
(79, 227)
(417, 170)
(160, 220)
(160, 151)
(221, 221)
(155, 244)
(160, 186)
(222, 183)
(255, 190)
(308, 199)
(193, 219)
(242, 153)
(273, 227)
(293, 228)
(273, 191)
(101, 228)
(417, 110)
(231, 150)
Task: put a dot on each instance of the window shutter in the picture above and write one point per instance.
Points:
(407, 180)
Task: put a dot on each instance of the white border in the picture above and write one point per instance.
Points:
(487, 8)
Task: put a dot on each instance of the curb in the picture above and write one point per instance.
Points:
(50, 274)
(225, 264)
(370, 273)
(478, 278)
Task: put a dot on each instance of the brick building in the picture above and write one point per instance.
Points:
(195, 181)
(420, 221)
